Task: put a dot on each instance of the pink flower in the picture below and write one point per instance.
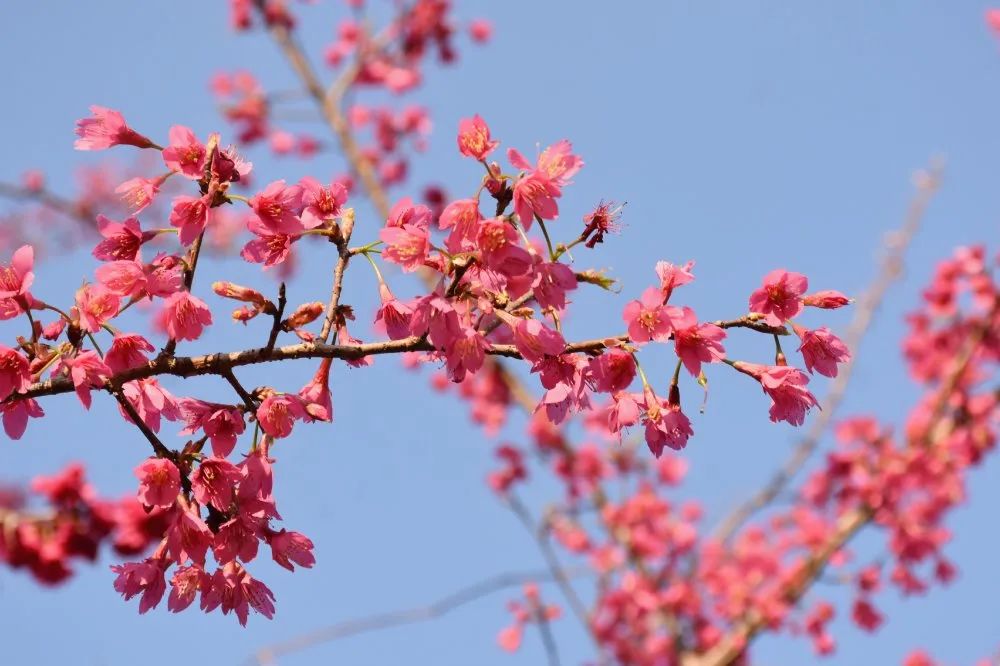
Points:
(278, 412)
(15, 416)
(107, 128)
(648, 319)
(623, 413)
(96, 305)
(405, 213)
(17, 278)
(222, 423)
(780, 298)
(465, 354)
(15, 374)
(122, 278)
(557, 163)
(322, 204)
(822, 350)
(666, 425)
(126, 352)
(214, 483)
(288, 547)
(535, 341)
(185, 584)
(190, 215)
(144, 577)
(534, 194)
(185, 154)
(697, 343)
(164, 275)
(786, 387)
(138, 193)
(268, 248)
(150, 401)
(278, 206)
(672, 276)
(827, 300)
(480, 30)
(87, 371)
(394, 315)
(159, 482)
(600, 222)
(498, 245)
(552, 280)
(613, 371)
(474, 138)
(316, 394)
(185, 316)
(407, 246)
(462, 217)
(122, 240)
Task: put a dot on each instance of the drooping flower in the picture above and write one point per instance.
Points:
(87, 371)
(534, 340)
(150, 401)
(474, 138)
(268, 248)
(613, 371)
(498, 246)
(185, 316)
(159, 482)
(826, 300)
(144, 578)
(16, 414)
(406, 245)
(105, 129)
(786, 386)
(780, 297)
(214, 482)
(123, 278)
(291, 547)
(185, 154)
(222, 423)
(315, 395)
(185, 584)
(822, 350)
(394, 315)
(553, 279)
(138, 193)
(466, 354)
(600, 221)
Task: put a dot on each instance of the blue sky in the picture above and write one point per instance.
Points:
(745, 135)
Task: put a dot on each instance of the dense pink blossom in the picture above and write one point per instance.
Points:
(268, 248)
(150, 401)
(105, 129)
(499, 247)
(406, 245)
(214, 482)
(87, 371)
(185, 316)
(185, 585)
(159, 482)
(535, 194)
(221, 423)
(125, 278)
(534, 340)
(613, 371)
(780, 297)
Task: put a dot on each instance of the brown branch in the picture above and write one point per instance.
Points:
(890, 269)
(230, 376)
(443, 606)
(272, 338)
(46, 198)
(158, 446)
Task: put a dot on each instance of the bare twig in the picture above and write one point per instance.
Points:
(268, 655)
(272, 338)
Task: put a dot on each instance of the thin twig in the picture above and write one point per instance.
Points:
(268, 655)
(272, 338)
(230, 376)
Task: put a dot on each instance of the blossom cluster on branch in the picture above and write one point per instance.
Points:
(500, 270)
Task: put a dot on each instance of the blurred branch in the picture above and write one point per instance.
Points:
(891, 266)
(267, 656)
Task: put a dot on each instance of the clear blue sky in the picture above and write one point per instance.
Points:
(744, 135)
